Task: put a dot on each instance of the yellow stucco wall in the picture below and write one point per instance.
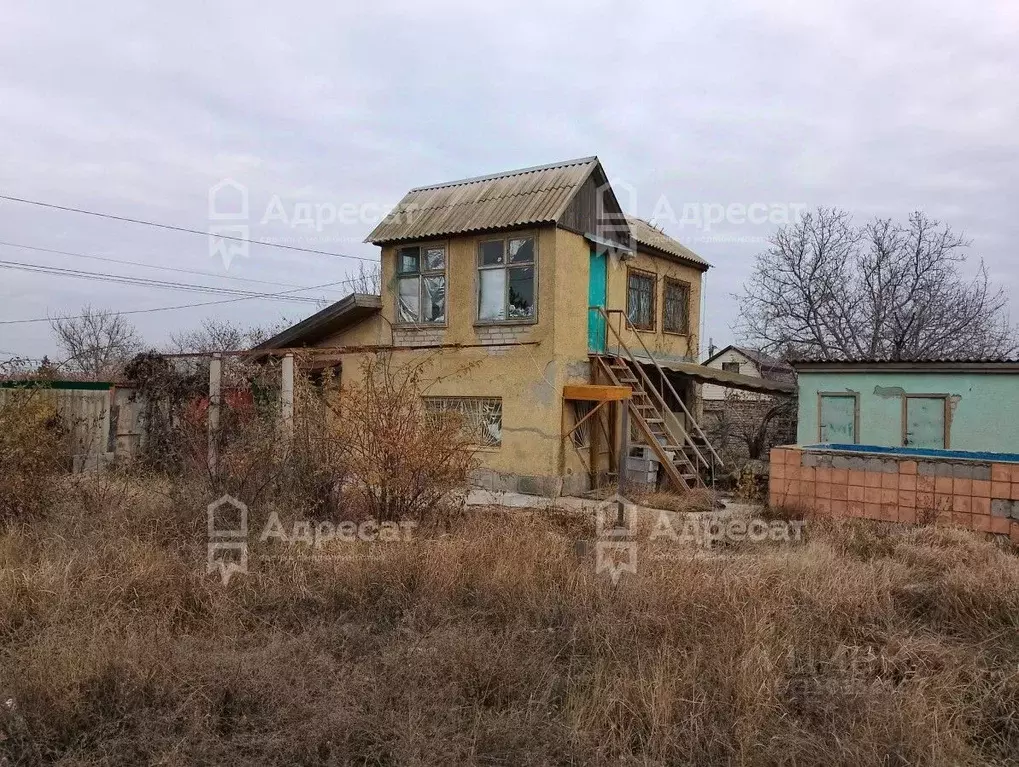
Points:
(658, 341)
(369, 331)
(528, 378)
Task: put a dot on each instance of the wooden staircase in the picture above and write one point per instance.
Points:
(686, 455)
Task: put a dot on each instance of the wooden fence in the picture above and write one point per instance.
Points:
(102, 419)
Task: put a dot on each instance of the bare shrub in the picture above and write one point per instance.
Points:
(32, 441)
(401, 461)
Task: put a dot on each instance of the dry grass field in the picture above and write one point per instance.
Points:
(488, 637)
(489, 640)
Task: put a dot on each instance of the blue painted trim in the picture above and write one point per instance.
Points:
(917, 452)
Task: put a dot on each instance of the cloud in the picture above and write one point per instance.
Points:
(137, 110)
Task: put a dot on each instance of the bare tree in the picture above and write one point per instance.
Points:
(368, 279)
(827, 289)
(750, 426)
(97, 343)
(223, 335)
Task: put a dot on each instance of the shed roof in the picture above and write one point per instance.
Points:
(704, 374)
(962, 365)
(650, 236)
(527, 196)
(346, 312)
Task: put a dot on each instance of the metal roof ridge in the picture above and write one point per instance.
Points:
(507, 174)
(512, 195)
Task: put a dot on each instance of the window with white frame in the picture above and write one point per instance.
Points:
(421, 284)
(506, 279)
(479, 417)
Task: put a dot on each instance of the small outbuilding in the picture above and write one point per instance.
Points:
(967, 405)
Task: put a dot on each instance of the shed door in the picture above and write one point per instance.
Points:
(596, 294)
(838, 418)
(925, 422)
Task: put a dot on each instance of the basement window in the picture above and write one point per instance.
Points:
(506, 280)
(421, 284)
(640, 298)
(582, 435)
(479, 417)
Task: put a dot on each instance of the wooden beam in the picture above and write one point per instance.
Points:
(582, 421)
(624, 450)
(596, 393)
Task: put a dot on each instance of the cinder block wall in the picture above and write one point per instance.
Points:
(980, 496)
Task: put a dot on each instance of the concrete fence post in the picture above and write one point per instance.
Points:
(287, 396)
(215, 402)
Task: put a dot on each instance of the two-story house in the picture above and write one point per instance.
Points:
(551, 319)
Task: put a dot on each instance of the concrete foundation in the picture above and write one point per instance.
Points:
(528, 484)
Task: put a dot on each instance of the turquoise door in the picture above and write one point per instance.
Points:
(838, 419)
(596, 297)
(925, 422)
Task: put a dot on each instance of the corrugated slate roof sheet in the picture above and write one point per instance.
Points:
(349, 310)
(536, 195)
(704, 374)
(649, 236)
(923, 361)
(932, 365)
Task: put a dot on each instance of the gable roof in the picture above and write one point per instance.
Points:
(538, 195)
(649, 236)
(346, 312)
(771, 368)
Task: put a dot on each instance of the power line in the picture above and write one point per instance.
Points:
(142, 281)
(147, 266)
(165, 284)
(171, 308)
(173, 228)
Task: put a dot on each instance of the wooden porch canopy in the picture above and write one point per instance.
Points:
(703, 374)
(596, 393)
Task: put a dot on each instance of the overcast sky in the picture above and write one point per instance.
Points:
(137, 109)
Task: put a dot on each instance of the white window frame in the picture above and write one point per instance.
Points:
(506, 267)
(421, 275)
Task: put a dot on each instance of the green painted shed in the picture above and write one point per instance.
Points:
(929, 405)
